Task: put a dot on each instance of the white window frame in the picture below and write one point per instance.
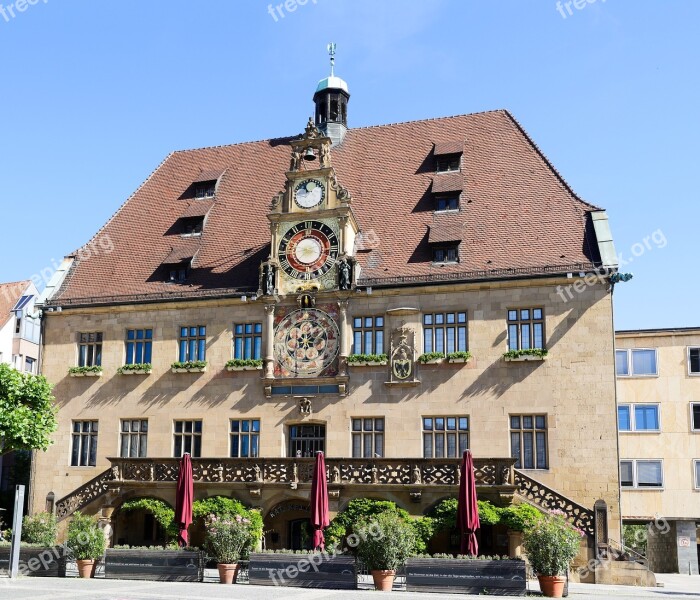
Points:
(635, 485)
(633, 420)
(696, 461)
(691, 374)
(630, 374)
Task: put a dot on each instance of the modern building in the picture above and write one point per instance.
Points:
(658, 378)
(294, 256)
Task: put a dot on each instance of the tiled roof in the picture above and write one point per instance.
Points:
(197, 208)
(518, 212)
(210, 175)
(448, 182)
(449, 147)
(181, 250)
(446, 228)
(9, 294)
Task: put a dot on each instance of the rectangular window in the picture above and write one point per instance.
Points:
(134, 438)
(641, 474)
(245, 438)
(445, 437)
(367, 437)
(204, 190)
(526, 329)
(693, 361)
(446, 254)
(528, 441)
(84, 448)
(247, 341)
(638, 417)
(29, 364)
(447, 162)
(193, 343)
(306, 440)
(446, 203)
(89, 349)
(636, 362)
(192, 225)
(368, 335)
(445, 332)
(626, 473)
(138, 346)
(696, 469)
(187, 437)
(695, 416)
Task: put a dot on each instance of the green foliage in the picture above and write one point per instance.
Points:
(443, 556)
(85, 538)
(386, 540)
(635, 538)
(27, 411)
(520, 517)
(190, 364)
(162, 512)
(138, 367)
(40, 529)
(78, 370)
(461, 354)
(367, 358)
(245, 362)
(222, 507)
(552, 544)
(428, 356)
(488, 513)
(540, 352)
(228, 537)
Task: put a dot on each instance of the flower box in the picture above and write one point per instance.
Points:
(246, 368)
(195, 366)
(457, 360)
(153, 565)
(370, 363)
(86, 374)
(434, 361)
(466, 576)
(135, 372)
(328, 571)
(188, 370)
(35, 562)
(367, 360)
(524, 358)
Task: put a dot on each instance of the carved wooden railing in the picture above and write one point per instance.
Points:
(84, 495)
(550, 499)
(339, 471)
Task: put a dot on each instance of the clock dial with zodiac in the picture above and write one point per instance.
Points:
(309, 193)
(308, 250)
(306, 342)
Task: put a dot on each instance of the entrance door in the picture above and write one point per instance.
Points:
(306, 440)
(299, 538)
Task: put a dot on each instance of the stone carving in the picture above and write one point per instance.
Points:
(416, 478)
(415, 496)
(304, 406)
(295, 160)
(258, 474)
(86, 493)
(325, 155)
(311, 132)
(268, 285)
(341, 193)
(344, 274)
(277, 200)
(335, 474)
(402, 355)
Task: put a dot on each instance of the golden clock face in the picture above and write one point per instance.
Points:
(308, 250)
(309, 193)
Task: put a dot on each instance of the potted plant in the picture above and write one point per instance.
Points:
(86, 542)
(189, 366)
(458, 357)
(226, 539)
(94, 371)
(370, 360)
(431, 358)
(135, 369)
(551, 544)
(386, 541)
(524, 355)
(244, 364)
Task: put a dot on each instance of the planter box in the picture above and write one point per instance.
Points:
(459, 576)
(88, 374)
(382, 363)
(457, 360)
(244, 368)
(36, 562)
(434, 361)
(309, 570)
(135, 372)
(524, 358)
(201, 370)
(153, 565)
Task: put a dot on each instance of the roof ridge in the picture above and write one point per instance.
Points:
(27, 281)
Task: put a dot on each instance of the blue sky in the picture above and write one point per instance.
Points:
(95, 95)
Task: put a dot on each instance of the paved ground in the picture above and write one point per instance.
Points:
(680, 587)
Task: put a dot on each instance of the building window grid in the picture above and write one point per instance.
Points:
(187, 437)
(694, 361)
(84, 444)
(134, 438)
(642, 473)
(446, 163)
(445, 437)
(367, 437)
(90, 349)
(445, 332)
(139, 344)
(639, 418)
(526, 329)
(528, 441)
(245, 438)
(247, 341)
(368, 335)
(696, 471)
(695, 416)
(446, 202)
(636, 362)
(306, 440)
(193, 343)
(446, 254)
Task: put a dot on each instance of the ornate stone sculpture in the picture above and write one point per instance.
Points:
(295, 160)
(269, 280)
(311, 132)
(335, 474)
(305, 406)
(416, 475)
(325, 155)
(344, 275)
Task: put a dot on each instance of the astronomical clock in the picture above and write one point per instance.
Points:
(311, 269)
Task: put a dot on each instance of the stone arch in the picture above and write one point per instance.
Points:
(138, 527)
(286, 523)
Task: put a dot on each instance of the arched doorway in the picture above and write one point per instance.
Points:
(137, 527)
(287, 526)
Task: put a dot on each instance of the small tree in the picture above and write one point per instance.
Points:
(386, 541)
(39, 529)
(85, 538)
(27, 411)
(552, 544)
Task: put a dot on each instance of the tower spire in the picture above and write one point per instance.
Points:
(331, 53)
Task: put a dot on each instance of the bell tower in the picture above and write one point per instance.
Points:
(331, 100)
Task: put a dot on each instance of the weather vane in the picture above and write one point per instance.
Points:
(331, 52)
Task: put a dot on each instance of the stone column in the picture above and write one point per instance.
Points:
(344, 337)
(269, 341)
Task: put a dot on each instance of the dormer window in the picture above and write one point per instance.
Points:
(447, 163)
(446, 254)
(205, 190)
(446, 202)
(178, 273)
(192, 226)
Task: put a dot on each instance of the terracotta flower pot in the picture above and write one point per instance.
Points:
(228, 573)
(552, 586)
(383, 580)
(86, 568)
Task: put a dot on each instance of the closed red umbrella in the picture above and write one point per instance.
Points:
(183, 499)
(467, 507)
(319, 501)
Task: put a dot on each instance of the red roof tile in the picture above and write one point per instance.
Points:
(446, 228)
(448, 182)
(450, 147)
(211, 175)
(197, 208)
(519, 213)
(9, 294)
(181, 250)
